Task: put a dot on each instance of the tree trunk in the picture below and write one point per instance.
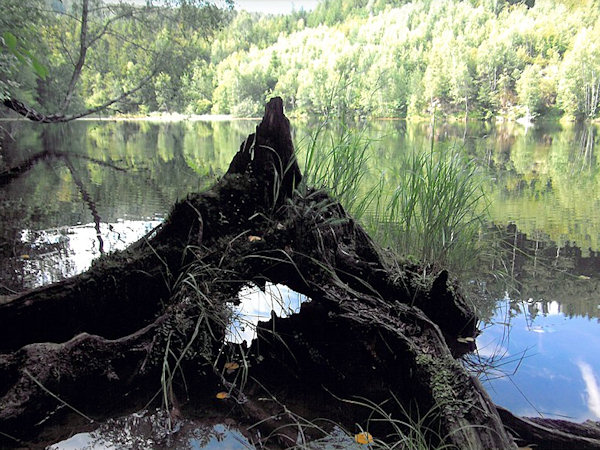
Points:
(375, 328)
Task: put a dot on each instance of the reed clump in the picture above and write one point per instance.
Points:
(430, 206)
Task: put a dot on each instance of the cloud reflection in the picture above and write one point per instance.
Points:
(256, 306)
(67, 251)
(591, 386)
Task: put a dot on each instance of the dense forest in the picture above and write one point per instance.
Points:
(375, 58)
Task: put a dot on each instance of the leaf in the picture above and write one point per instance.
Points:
(23, 55)
(584, 277)
(465, 340)
(363, 438)
(24, 256)
(10, 40)
(254, 238)
(231, 366)
(222, 395)
(39, 68)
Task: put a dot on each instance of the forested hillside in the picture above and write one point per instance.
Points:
(480, 58)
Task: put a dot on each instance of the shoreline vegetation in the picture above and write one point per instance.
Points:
(179, 116)
(472, 59)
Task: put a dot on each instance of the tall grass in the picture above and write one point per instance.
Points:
(431, 207)
(336, 159)
(435, 210)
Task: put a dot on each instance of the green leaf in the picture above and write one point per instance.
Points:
(39, 68)
(10, 40)
(19, 56)
(23, 55)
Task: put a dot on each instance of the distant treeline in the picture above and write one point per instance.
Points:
(480, 58)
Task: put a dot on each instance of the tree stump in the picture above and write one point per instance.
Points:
(375, 328)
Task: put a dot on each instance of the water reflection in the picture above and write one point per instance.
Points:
(258, 304)
(544, 361)
(147, 430)
(591, 387)
(59, 253)
(97, 172)
(548, 181)
(126, 175)
(543, 323)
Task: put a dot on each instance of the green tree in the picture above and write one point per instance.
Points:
(86, 41)
(198, 86)
(529, 89)
(579, 85)
(19, 63)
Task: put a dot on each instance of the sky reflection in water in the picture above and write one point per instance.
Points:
(147, 430)
(557, 359)
(67, 251)
(256, 305)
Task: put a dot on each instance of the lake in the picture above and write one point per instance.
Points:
(90, 187)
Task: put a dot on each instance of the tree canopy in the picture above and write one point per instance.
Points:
(479, 58)
(90, 55)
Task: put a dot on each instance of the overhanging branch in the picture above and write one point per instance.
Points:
(30, 113)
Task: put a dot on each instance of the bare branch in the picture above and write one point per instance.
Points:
(125, 39)
(60, 13)
(125, 14)
(67, 52)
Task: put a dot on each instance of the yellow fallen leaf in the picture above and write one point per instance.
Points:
(254, 238)
(222, 395)
(231, 366)
(24, 256)
(363, 438)
(583, 277)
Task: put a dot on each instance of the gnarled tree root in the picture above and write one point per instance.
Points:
(374, 327)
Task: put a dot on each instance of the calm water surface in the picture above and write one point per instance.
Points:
(95, 186)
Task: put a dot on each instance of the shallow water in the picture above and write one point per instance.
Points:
(257, 305)
(148, 429)
(93, 186)
(547, 362)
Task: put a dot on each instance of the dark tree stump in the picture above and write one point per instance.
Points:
(374, 328)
